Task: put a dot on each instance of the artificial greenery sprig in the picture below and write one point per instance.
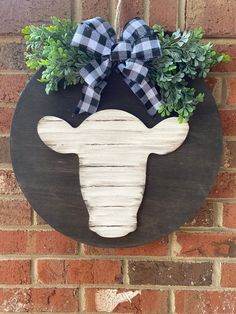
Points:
(184, 56)
(48, 47)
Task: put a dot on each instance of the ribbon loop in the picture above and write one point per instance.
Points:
(137, 45)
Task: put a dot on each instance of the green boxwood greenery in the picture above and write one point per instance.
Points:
(184, 57)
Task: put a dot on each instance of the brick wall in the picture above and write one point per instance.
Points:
(192, 270)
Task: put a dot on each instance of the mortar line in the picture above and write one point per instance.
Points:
(221, 199)
(125, 268)
(222, 74)
(16, 72)
(181, 14)
(146, 5)
(171, 302)
(218, 215)
(13, 197)
(175, 259)
(220, 230)
(227, 200)
(216, 275)
(76, 11)
(112, 9)
(81, 298)
(219, 90)
(224, 92)
(79, 248)
(11, 39)
(82, 252)
(46, 227)
(226, 107)
(229, 170)
(6, 166)
(230, 138)
(119, 286)
(221, 40)
(171, 241)
(7, 105)
(34, 218)
(34, 274)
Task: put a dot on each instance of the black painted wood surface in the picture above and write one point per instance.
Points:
(176, 186)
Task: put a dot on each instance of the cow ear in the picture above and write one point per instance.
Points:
(56, 134)
(168, 135)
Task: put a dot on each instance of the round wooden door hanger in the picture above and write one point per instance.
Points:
(116, 178)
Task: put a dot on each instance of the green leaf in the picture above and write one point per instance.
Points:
(183, 56)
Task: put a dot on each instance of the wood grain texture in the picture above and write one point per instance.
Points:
(176, 183)
(113, 147)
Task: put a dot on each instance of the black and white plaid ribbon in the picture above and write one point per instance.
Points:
(137, 44)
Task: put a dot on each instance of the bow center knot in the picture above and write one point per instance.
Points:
(137, 44)
(121, 51)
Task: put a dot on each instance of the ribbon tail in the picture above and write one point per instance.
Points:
(90, 98)
(147, 93)
(95, 75)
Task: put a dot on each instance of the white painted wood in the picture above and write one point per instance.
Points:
(113, 147)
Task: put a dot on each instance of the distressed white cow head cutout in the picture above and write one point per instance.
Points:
(113, 147)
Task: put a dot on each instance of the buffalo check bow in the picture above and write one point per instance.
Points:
(137, 44)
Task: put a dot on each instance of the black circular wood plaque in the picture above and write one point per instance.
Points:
(176, 184)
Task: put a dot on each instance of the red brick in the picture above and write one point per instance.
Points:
(39, 300)
(15, 15)
(12, 56)
(229, 215)
(101, 7)
(35, 242)
(207, 302)
(6, 115)
(146, 301)
(12, 242)
(163, 12)
(15, 272)
(11, 85)
(79, 272)
(15, 212)
(226, 66)
(228, 121)
(211, 82)
(8, 184)
(203, 217)
(206, 244)
(170, 273)
(5, 150)
(225, 186)
(129, 10)
(216, 17)
(229, 154)
(51, 242)
(215, 86)
(158, 248)
(231, 91)
(228, 278)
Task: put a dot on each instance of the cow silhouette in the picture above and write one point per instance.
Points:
(113, 147)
